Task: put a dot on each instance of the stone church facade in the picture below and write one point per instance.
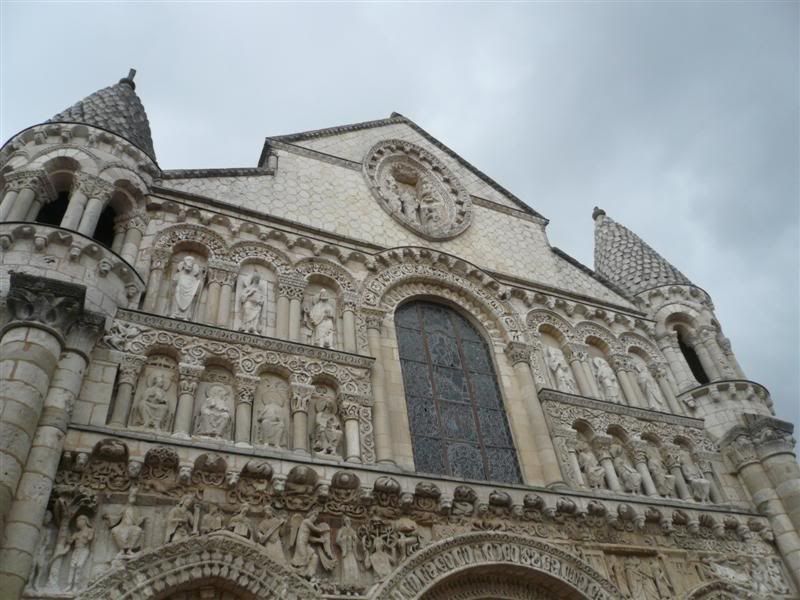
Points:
(358, 370)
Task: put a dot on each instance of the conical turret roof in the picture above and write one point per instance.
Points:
(623, 258)
(117, 109)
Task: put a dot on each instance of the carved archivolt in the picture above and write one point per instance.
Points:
(221, 555)
(585, 330)
(632, 340)
(436, 562)
(258, 250)
(718, 590)
(537, 318)
(215, 244)
(311, 266)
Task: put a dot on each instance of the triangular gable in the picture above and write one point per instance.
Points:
(352, 142)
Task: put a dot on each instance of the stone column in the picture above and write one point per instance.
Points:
(726, 349)
(672, 460)
(30, 502)
(245, 395)
(705, 358)
(668, 344)
(226, 285)
(708, 338)
(8, 201)
(158, 264)
(282, 316)
(301, 396)
(602, 445)
(568, 440)
(383, 433)
(215, 278)
(77, 201)
(578, 355)
(520, 356)
(30, 184)
(290, 296)
(187, 389)
(120, 229)
(623, 367)
(41, 311)
(639, 451)
(741, 451)
(349, 322)
(137, 224)
(348, 410)
(129, 371)
(99, 194)
(659, 373)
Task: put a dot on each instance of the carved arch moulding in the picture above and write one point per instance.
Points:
(434, 564)
(220, 555)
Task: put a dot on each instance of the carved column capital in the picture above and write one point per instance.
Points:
(374, 318)
(601, 443)
(301, 396)
(518, 352)
(348, 410)
(38, 300)
(657, 369)
(130, 367)
(706, 333)
(350, 301)
(94, 187)
(770, 435)
(577, 351)
(621, 362)
(137, 219)
(20, 180)
(159, 259)
(85, 331)
(189, 377)
(246, 388)
(221, 272)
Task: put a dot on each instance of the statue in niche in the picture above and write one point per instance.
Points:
(649, 388)
(212, 520)
(561, 371)
(609, 386)
(153, 409)
(252, 303)
(320, 318)
(240, 523)
(347, 540)
(327, 428)
(268, 534)
(641, 581)
(42, 552)
(185, 288)
(664, 481)
(271, 418)
(629, 477)
(127, 532)
(699, 486)
(311, 542)
(594, 474)
(180, 520)
(214, 419)
(79, 543)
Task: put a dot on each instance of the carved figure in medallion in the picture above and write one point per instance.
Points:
(609, 386)
(268, 534)
(320, 317)
(214, 419)
(561, 371)
(594, 474)
(186, 284)
(252, 303)
(347, 540)
(327, 428)
(180, 520)
(153, 408)
(127, 532)
(212, 520)
(649, 388)
(629, 477)
(311, 543)
(240, 523)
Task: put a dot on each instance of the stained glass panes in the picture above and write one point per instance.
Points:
(455, 411)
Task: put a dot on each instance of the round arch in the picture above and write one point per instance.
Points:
(221, 559)
(429, 572)
(216, 245)
(718, 590)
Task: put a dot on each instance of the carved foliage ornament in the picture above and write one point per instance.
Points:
(418, 191)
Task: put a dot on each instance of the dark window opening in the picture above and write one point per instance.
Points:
(104, 232)
(455, 410)
(693, 361)
(53, 212)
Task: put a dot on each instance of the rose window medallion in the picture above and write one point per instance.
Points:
(415, 188)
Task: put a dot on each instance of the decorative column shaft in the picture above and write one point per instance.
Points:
(158, 264)
(129, 371)
(623, 367)
(602, 445)
(187, 389)
(659, 373)
(349, 322)
(227, 281)
(348, 410)
(519, 355)
(383, 433)
(42, 311)
(290, 289)
(705, 358)
(30, 502)
(76, 205)
(245, 395)
(301, 396)
(99, 195)
(137, 224)
(726, 349)
(668, 343)
(577, 356)
(120, 229)
(673, 462)
(7, 202)
(215, 277)
(639, 448)
(282, 317)
(30, 183)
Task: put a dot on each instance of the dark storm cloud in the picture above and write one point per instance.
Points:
(679, 119)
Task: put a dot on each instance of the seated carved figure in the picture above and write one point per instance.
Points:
(629, 477)
(593, 473)
(699, 486)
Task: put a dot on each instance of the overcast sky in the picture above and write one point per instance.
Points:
(679, 119)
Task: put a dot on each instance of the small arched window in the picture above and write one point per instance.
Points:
(104, 232)
(52, 212)
(455, 411)
(693, 361)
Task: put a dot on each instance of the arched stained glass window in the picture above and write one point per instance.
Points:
(455, 411)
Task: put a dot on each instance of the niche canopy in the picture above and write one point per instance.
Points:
(418, 191)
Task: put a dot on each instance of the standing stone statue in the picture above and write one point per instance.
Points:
(594, 474)
(212, 520)
(180, 520)
(252, 303)
(240, 523)
(699, 486)
(327, 429)
(185, 288)
(561, 371)
(271, 421)
(268, 534)
(311, 542)
(640, 580)
(79, 542)
(347, 540)
(609, 386)
(628, 475)
(649, 388)
(664, 481)
(153, 409)
(320, 317)
(214, 419)
(127, 533)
